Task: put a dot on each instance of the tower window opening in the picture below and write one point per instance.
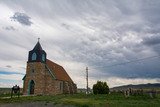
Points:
(34, 56)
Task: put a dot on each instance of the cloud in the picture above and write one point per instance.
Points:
(65, 26)
(10, 72)
(11, 76)
(9, 28)
(8, 66)
(153, 40)
(22, 18)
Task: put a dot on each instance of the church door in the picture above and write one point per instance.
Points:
(31, 87)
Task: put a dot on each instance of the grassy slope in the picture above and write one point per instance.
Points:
(81, 100)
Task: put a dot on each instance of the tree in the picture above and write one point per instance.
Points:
(100, 88)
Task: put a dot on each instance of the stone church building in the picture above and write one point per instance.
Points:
(44, 77)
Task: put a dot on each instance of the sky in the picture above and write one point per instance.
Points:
(118, 40)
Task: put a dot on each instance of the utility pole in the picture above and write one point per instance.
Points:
(87, 79)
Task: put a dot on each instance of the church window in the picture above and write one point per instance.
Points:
(61, 86)
(34, 56)
(43, 57)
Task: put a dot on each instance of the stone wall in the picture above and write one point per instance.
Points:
(45, 84)
(35, 72)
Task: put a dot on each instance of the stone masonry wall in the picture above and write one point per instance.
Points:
(45, 84)
(35, 72)
(52, 86)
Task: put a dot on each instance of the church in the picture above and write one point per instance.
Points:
(44, 77)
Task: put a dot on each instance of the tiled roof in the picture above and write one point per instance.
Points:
(58, 71)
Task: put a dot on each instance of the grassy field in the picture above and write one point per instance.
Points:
(82, 100)
(5, 90)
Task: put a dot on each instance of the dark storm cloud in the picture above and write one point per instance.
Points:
(22, 18)
(154, 40)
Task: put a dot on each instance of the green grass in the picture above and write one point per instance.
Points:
(82, 100)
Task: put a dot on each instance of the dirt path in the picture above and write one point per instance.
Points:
(34, 104)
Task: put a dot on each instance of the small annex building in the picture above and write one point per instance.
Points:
(44, 77)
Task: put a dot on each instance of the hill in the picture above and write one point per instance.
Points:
(139, 86)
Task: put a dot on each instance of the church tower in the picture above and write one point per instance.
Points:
(34, 80)
(37, 54)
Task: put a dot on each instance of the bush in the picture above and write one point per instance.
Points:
(100, 88)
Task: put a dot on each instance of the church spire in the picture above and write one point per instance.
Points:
(37, 54)
(38, 46)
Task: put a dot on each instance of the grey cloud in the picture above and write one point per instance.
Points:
(65, 26)
(23, 68)
(9, 28)
(22, 18)
(152, 40)
(8, 66)
(98, 53)
(150, 11)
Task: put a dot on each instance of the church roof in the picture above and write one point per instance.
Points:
(37, 46)
(58, 71)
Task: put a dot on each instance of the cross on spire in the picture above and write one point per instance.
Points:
(38, 39)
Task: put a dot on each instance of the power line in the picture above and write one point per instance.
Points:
(132, 61)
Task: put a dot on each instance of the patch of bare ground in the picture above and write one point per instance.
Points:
(35, 104)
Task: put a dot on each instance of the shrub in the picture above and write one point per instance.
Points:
(100, 88)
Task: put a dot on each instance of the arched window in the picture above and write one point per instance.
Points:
(43, 57)
(34, 56)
